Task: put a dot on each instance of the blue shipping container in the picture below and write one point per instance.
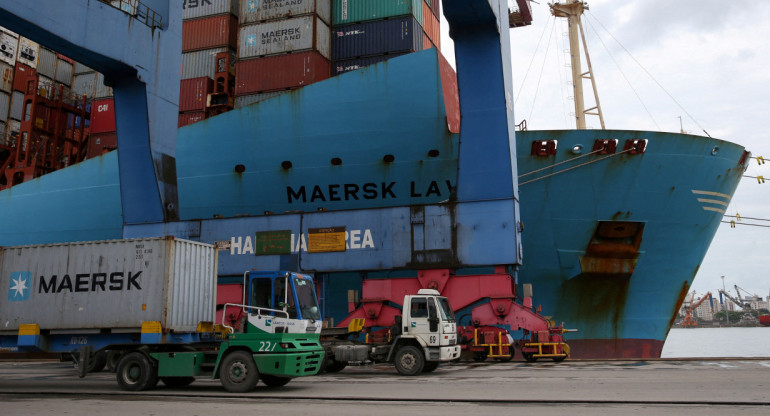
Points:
(340, 67)
(376, 38)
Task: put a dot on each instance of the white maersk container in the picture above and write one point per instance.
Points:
(255, 11)
(284, 36)
(114, 285)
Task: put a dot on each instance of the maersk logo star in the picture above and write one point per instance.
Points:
(252, 5)
(19, 286)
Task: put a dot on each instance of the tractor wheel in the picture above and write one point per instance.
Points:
(409, 361)
(238, 372)
(136, 373)
(334, 366)
(177, 381)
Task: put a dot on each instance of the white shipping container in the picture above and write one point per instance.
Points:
(12, 128)
(84, 84)
(9, 43)
(193, 9)
(46, 62)
(254, 11)
(283, 36)
(81, 69)
(2, 133)
(5, 106)
(28, 52)
(200, 63)
(17, 105)
(102, 91)
(6, 77)
(114, 284)
(63, 72)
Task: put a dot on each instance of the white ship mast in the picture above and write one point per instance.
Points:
(573, 10)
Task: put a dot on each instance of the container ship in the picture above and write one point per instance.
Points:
(615, 223)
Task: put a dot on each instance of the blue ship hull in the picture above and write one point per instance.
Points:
(611, 247)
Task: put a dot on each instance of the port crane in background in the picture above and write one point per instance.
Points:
(689, 321)
(748, 318)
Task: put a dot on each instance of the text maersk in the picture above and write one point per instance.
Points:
(90, 282)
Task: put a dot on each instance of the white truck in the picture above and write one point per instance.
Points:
(421, 338)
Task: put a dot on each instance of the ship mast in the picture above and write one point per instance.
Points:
(573, 10)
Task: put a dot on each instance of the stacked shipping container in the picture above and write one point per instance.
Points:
(209, 28)
(283, 45)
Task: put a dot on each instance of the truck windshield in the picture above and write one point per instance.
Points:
(308, 303)
(446, 311)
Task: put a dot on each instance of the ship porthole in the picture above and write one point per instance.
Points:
(715, 150)
(240, 168)
(336, 161)
(388, 158)
(286, 165)
(433, 153)
(577, 149)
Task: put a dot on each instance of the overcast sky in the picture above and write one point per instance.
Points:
(711, 56)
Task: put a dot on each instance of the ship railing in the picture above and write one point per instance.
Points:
(137, 10)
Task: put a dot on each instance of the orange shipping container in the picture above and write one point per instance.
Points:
(431, 26)
(280, 72)
(210, 32)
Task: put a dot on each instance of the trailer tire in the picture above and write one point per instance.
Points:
(113, 358)
(97, 362)
(529, 356)
(274, 381)
(136, 372)
(409, 361)
(238, 372)
(559, 359)
(177, 381)
(430, 367)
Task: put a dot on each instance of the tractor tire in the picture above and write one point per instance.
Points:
(238, 372)
(136, 373)
(409, 361)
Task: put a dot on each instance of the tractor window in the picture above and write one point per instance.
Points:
(261, 290)
(308, 303)
(419, 308)
(280, 297)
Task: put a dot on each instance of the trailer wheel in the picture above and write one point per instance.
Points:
(97, 362)
(238, 372)
(409, 361)
(113, 358)
(479, 356)
(177, 381)
(430, 366)
(136, 372)
(529, 356)
(274, 381)
(559, 359)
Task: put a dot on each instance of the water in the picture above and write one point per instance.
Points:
(717, 342)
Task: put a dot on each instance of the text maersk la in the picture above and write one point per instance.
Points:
(354, 240)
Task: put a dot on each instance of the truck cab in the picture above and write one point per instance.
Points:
(428, 318)
(272, 302)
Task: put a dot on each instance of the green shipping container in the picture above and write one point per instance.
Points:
(355, 11)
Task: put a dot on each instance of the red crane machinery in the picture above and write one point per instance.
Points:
(689, 321)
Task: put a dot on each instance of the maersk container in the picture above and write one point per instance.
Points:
(193, 9)
(46, 63)
(377, 38)
(340, 67)
(280, 72)
(8, 46)
(114, 285)
(255, 11)
(210, 32)
(284, 36)
(201, 63)
(5, 106)
(356, 11)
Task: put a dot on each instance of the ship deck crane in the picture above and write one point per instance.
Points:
(689, 321)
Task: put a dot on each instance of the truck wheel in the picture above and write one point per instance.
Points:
(238, 372)
(274, 381)
(177, 381)
(409, 361)
(136, 372)
(430, 366)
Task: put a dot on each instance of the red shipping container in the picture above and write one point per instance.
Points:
(193, 93)
(21, 75)
(185, 119)
(431, 26)
(210, 32)
(103, 116)
(426, 43)
(101, 143)
(274, 73)
(451, 92)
